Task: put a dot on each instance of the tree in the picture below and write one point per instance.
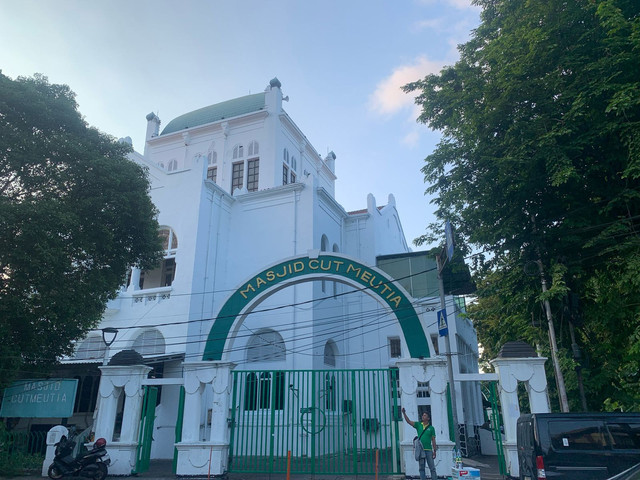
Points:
(540, 162)
(75, 214)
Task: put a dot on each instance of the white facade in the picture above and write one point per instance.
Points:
(282, 206)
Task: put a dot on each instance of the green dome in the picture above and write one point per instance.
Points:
(214, 113)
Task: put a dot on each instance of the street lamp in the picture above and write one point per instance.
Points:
(109, 335)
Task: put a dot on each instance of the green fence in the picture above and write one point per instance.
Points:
(331, 421)
(21, 452)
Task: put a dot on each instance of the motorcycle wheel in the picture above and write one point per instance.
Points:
(54, 472)
(101, 474)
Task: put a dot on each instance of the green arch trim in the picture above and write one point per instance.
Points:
(305, 268)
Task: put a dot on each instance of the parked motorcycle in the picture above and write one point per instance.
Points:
(89, 463)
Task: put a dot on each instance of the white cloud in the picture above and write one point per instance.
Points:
(388, 98)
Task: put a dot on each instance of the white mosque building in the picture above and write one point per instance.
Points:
(280, 331)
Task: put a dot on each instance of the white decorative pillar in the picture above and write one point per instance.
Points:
(433, 371)
(511, 371)
(134, 283)
(116, 381)
(196, 457)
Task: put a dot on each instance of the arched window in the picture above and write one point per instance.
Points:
(254, 148)
(149, 342)
(91, 347)
(173, 165)
(285, 156)
(266, 346)
(169, 240)
(330, 351)
(238, 151)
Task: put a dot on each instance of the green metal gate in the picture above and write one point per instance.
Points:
(145, 435)
(331, 421)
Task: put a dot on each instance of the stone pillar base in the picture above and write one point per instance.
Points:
(123, 457)
(444, 459)
(202, 458)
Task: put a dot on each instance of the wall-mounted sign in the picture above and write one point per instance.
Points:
(50, 398)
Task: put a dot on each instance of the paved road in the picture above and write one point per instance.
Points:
(162, 470)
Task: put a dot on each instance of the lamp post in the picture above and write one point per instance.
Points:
(109, 335)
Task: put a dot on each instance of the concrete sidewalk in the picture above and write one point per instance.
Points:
(162, 470)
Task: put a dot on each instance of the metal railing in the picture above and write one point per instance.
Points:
(21, 452)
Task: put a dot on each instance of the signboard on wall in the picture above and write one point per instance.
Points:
(40, 398)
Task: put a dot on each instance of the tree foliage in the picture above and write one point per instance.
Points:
(540, 161)
(74, 215)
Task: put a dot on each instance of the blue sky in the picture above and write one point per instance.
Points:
(341, 62)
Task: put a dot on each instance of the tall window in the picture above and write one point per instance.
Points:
(330, 392)
(261, 388)
(395, 349)
(173, 165)
(294, 164)
(212, 162)
(285, 174)
(330, 353)
(237, 175)
(212, 174)
(253, 171)
(164, 275)
(252, 166)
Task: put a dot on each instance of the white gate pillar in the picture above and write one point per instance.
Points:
(510, 371)
(196, 456)
(434, 371)
(116, 381)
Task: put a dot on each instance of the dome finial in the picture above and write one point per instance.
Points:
(274, 82)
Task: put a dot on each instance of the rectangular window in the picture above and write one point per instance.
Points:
(253, 170)
(293, 177)
(285, 174)
(395, 350)
(237, 174)
(212, 174)
(168, 271)
(576, 435)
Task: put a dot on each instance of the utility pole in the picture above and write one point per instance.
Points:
(452, 389)
(562, 391)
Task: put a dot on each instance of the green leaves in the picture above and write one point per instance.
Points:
(540, 159)
(75, 214)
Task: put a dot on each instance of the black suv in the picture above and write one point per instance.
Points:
(580, 446)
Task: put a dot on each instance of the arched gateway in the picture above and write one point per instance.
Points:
(339, 268)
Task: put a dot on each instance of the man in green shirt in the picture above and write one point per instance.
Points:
(428, 440)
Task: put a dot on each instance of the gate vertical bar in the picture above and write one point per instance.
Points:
(178, 431)
(354, 432)
(232, 434)
(313, 422)
(272, 426)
